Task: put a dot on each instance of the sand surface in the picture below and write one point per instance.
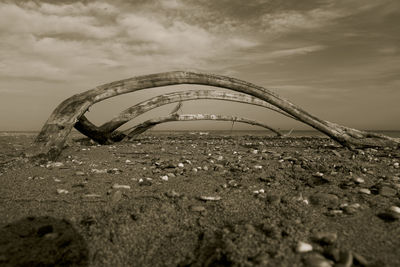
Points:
(200, 200)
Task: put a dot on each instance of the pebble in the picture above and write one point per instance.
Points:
(121, 186)
(324, 199)
(258, 167)
(54, 165)
(327, 238)
(197, 208)
(351, 209)
(97, 171)
(62, 191)
(171, 175)
(210, 198)
(359, 180)
(364, 191)
(317, 260)
(396, 165)
(79, 173)
(164, 177)
(146, 181)
(395, 209)
(303, 247)
(128, 161)
(180, 165)
(387, 191)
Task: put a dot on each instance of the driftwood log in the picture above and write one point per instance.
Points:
(144, 126)
(106, 133)
(51, 139)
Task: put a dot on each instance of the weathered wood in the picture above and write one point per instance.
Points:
(105, 132)
(142, 127)
(51, 139)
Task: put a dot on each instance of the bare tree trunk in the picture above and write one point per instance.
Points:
(51, 139)
(141, 128)
(105, 133)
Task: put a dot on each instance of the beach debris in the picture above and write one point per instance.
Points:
(121, 186)
(62, 191)
(54, 165)
(210, 198)
(358, 180)
(197, 208)
(364, 191)
(97, 171)
(303, 247)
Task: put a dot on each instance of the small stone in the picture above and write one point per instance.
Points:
(258, 167)
(395, 209)
(324, 199)
(303, 247)
(197, 208)
(164, 177)
(387, 191)
(180, 165)
(116, 197)
(364, 191)
(351, 209)
(171, 175)
(97, 171)
(220, 158)
(62, 191)
(317, 260)
(145, 182)
(345, 260)
(359, 180)
(326, 238)
(128, 161)
(210, 198)
(79, 173)
(396, 165)
(254, 151)
(121, 186)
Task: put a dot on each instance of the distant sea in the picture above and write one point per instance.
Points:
(212, 132)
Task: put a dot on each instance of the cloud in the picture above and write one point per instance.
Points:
(77, 41)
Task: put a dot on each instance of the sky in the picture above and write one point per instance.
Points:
(337, 59)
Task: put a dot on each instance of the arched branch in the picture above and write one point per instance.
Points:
(141, 128)
(51, 139)
(103, 133)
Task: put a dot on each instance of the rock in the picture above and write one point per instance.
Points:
(121, 186)
(79, 173)
(97, 171)
(164, 177)
(180, 165)
(91, 195)
(117, 196)
(317, 260)
(352, 208)
(210, 198)
(325, 200)
(387, 191)
(62, 191)
(364, 191)
(197, 208)
(395, 209)
(326, 238)
(303, 247)
(359, 180)
(145, 182)
(346, 259)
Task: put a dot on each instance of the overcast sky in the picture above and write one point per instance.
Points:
(337, 59)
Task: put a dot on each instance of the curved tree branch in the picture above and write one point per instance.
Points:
(51, 139)
(103, 133)
(138, 129)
